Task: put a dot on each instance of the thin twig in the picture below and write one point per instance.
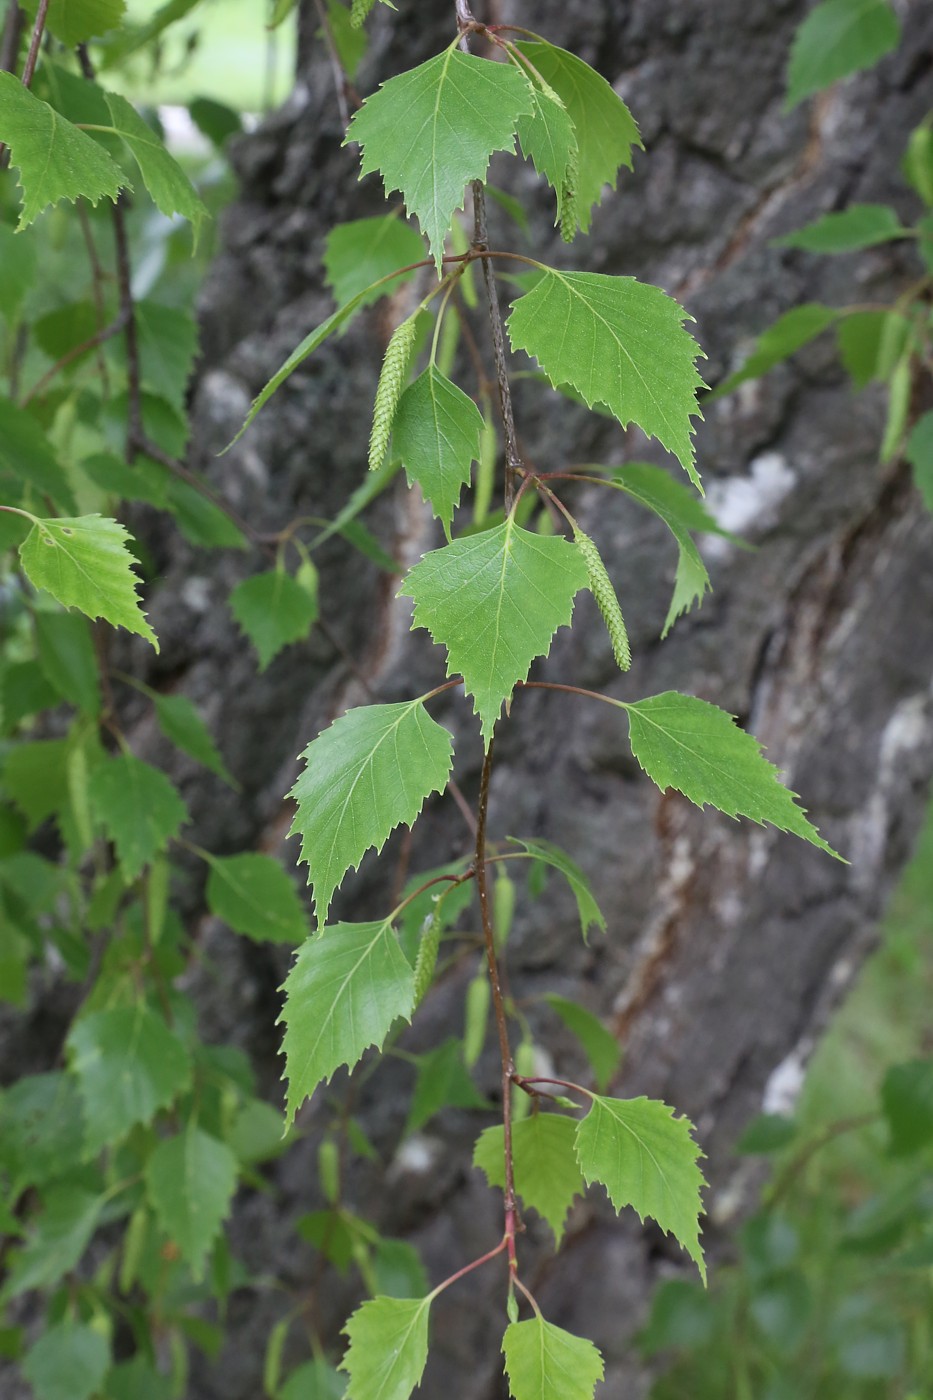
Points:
(97, 288)
(480, 246)
(35, 43)
(135, 432)
(97, 339)
(342, 85)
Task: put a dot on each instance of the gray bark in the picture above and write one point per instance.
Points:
(727, 945)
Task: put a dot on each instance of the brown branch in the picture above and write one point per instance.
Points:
(12, 33)
(35, 43)
(135, 431)
(480, 246)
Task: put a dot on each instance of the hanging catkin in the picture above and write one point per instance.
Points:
(391, 383)
(605, 595)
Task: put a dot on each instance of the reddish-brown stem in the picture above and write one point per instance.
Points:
(35, 43)
(502, 1029)
(570, 690)
(437, 880)
(522, 1081)
(468, 1268)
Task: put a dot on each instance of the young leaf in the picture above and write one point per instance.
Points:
(543, 1362)
(349, 984)
(603, 126)
(367, 774)
(389, 389)
(128, 1065)
(76, 21)
(789, 334)
(589, 911)
(388, 1348)
(273, 610)
(68, 1362)
(433, 129)
(171, 190)
(85, 564)
(619, 342)
(837, 38)
(602, 1049)
(181, 723)
(547, 1174)
(436, 434)
(27, 454)
(858, 226)
(190, 1181)
(690, 745)
(138, 807)
(252, 893)
(363, 251)
(919, 453)
(603, 591)
(645, 1158)
(442, 1082)
(55, 160)
(495, 600)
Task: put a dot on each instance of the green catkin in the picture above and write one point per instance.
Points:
(389, 391)
(426, 961)
(567, 201)
(605, 595)
(359, 12)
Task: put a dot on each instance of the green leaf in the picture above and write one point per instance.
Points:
(547, 1174)
(349, 984)
(388, 1348)
(128, 1065)
(199, 520)
(690, 745)
(216, 120)
(432, 130)
(543, 1362)
(85, 564)
(549, 139)
(917, 164)
(138, 1380)
(40, 1128)
(603, 126)
(436, 434)
(871, 343)
(181, 723)
(55, 160)
(67, 658)
(168, 343)
(618, 342)
(273, 610)
(138, 807)
(68, 1362)
(76, 21)
(315, 1380)
(768, 1132)
(27, 454)
(602, 1049)
(919, 453)
(647, 1159)
(190, 1181)
(171, 190)
(442, 1082)
(907, 1102)
(495, 600)
(589, 911)
(367, 774)
(837, 38)
(789, 334)
(252, 893)
(62, 1233)
(859, 226)
(360, 253)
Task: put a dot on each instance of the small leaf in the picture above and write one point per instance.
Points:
(907, 1102)
(602, 1049)
(128, 1065)
(252, 893)
(68, 1362)
(171, 190)
(645, 1158)
(619, 342)
(690, 745)
(362, 252)
(85, 564)
(547, 1174)
(181, 723)
(388, 1348)
(138, 807)
(442, 1082)
(859, 226)
(367, 774)
(349, 984)
(545, 851)
(55, 160)
(604, 129)
(543, 1362)
(437, 434)
(919, 453)
(190, 1181)
(27, 454)
(495, 601)
(789, 334)
(837, 38)
(76, 21)
(273, 610)
(433, 129)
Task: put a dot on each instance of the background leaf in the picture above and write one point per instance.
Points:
(180, 722)
(27, 455)
(645, 1158)
(252, 893)
(789, 334)
(551, 855)
(837, 38)
(442, 1082)
(361, 252)
(858, 226)
(907, 1101)
(543, 1362)
(68, 1362)
(190, 1181)
(602, 1049)
(273, 610)
(76, 21)
(138, 807)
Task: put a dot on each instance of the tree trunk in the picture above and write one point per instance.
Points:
(727, 944)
